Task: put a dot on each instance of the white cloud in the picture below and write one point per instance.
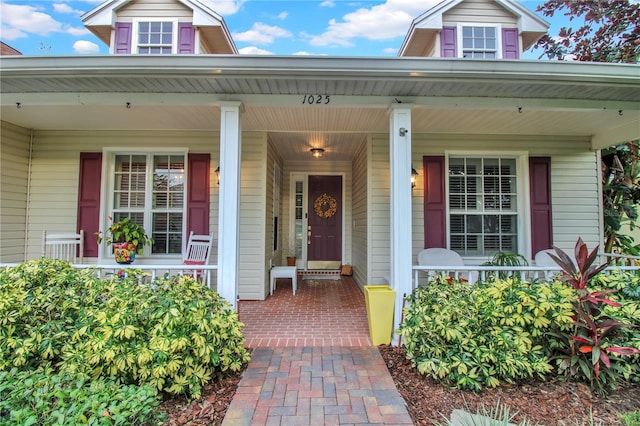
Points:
(224, 7)
(252, 50)
(327, 3)
(304, 53)
(261, 34)
(85, 47)
(19, 20)
(283, 15)
(390, 50)
(65, 8)
(380, 22)
(78, 31)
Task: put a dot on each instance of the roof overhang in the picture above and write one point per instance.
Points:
(594, 100)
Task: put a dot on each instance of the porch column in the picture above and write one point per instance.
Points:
(229, 201)
(400, 175)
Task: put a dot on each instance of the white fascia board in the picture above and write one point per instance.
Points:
(202, 12)
(317, 67)
(528, 21)
(104, 14)
(432, 18)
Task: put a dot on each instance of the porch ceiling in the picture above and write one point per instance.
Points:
(449, 96)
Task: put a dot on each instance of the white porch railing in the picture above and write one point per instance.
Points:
(531, 273)
(153, 270)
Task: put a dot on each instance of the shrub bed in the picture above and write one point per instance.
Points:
(173, 335)
(477, 336)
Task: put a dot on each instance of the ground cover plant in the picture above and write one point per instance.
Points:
(170, 337)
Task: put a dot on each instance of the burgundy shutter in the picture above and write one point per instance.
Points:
(540, 188)
(89, 200)
(510, 43)
(435, 203)
(198, 196)
(123, 38)
(186, 37)
(448, 42)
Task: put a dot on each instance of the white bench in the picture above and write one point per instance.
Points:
(283, 272)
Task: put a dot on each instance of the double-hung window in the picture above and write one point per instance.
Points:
(479, 42)
(155, 37)
(150, 190)
(483, 205)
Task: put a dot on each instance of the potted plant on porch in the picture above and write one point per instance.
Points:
(127, 238)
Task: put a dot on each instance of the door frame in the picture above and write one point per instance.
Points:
(301, 263)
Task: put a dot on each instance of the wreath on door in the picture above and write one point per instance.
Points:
(325, 206)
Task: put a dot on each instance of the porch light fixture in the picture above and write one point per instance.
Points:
(414, 173)
(217, 171)
(317, 152)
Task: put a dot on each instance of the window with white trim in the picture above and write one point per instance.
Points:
(483, 205)
(155, 37)
(479, 42)
(150, 190)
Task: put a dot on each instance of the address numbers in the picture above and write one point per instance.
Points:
(316, 99)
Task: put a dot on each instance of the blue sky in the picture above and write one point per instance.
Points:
(294, 27)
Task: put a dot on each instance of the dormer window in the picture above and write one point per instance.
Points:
(479, 42)
(155, 38)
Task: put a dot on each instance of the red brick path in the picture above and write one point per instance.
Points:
(323, 312)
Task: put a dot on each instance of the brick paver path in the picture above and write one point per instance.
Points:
(312, 361)
(317, 386)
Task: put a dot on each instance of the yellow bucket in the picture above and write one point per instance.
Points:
(380, 301)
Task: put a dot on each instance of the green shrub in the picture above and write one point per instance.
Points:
(173, 335)
(45, 398)
(476, 336)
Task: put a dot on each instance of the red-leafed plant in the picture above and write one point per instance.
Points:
(590, 344)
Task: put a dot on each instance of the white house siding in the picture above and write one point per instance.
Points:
(269, 254)
(154, 9)
(574, 180)
(55, 168)
(479, 11)
(14, 173)
(321, 166)
(379, 209)
(359, 207)
(253, 210)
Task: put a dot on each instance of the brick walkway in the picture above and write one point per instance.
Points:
(312, 361)
(324, 312)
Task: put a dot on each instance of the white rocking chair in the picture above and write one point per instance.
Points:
(63, 246)
(197, 253)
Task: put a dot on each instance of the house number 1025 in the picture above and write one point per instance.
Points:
(316, 99)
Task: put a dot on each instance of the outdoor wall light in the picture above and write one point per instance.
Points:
(317, 152)
(414, 173)
(217, 171)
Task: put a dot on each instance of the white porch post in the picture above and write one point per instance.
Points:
(229, 201)
(400, 162)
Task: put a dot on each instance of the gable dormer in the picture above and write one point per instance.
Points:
(159, 27)
(487, 29)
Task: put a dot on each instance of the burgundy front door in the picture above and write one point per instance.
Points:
(324, 236)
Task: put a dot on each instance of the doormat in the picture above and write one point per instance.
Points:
(311, 282)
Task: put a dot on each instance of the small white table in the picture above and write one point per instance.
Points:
(283, 272)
